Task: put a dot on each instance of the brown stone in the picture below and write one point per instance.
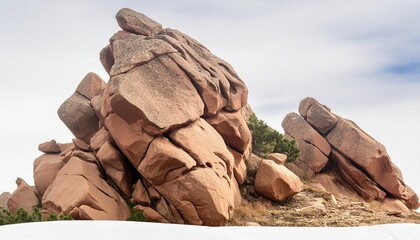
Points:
(116, 168)
(164, 162)
(49, 147)
(361, 183)
(252, 165)
(65, 148)
(78, 115)
(215, 80)
(279, 158)
(46, 168)
(394, 205)
(4, 198)
(130, 50)
(239, 167)
(90, 86)
(138, 23)
(311, 156)
(214, 155)
(82, 155)
(153, 194)
(150, 91)
(140, 195)
(321, 118)
(200, 196)
(306, 103)
(81, 145)
(295, 126)
(23, 197)
(132, 141)
(233, 129)
(80, 190)
(106, 58)
(100, 138)
(334, 184)
(369, 154)
(276, 182)
(151, 215)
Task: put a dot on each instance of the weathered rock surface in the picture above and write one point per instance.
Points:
(342, 157)
(167, 132)
(80, 190)
(4, 198)
(23, 197)
(46, 168)
(49, 147)
(138, 23)
(276, 182)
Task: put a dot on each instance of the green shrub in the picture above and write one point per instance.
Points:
(22, 216)
(135, 215)
(266, 140)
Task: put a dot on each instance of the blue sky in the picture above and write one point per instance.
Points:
(361, 58)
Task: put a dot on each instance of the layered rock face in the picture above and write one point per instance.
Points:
(342, 157)
(166, 132)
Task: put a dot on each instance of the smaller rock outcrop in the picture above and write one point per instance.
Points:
(343, 158)
(23, 197)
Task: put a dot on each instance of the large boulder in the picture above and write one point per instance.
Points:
(138, 23)
(23, 197)
(46, 168)
(80, 190)
(276, 182)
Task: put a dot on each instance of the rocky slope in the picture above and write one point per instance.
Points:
(168, 133)
(344, 159)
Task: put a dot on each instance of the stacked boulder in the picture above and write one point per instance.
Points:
(166, 132)
(344, 159)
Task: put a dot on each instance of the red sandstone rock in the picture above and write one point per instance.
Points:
(116, 168)
(214, 155)
(394, 205)
(143, 94)
(49, 147)
(140, 195)
(295, 126)
(164, 162)
(276, 182)
(361, 183)
(23, 197)
(151, 215)
(80, 190)
(138, 23)
(317, 115)
(81, 145)
(78, 115)
(90, 86)
(279, 158)
(368, 154)
(46, 168)
(233, 129)
(239, 167)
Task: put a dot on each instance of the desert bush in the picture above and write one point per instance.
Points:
(266, 140)
(22, 216)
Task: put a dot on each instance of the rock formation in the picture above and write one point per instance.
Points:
(336, 153)
(166, 132)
